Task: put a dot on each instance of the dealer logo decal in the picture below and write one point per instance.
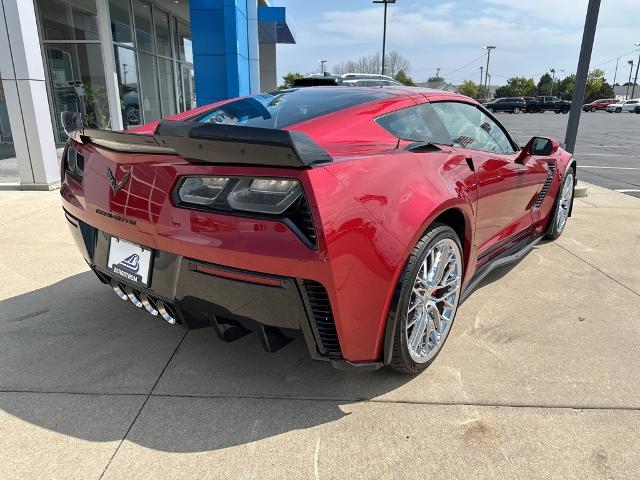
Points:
(129, 267)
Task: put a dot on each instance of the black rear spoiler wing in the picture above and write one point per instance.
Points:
(207, 143)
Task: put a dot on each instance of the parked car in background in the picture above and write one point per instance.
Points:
(347, 80)
(637, 109)
(531, 103)
(360, 217)
(598, 104)
(624, 106)
(549, 104)
(507, 104)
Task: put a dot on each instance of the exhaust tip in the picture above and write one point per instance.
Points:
(119, 290)
(148, 304)
(133, 297)
(165, 312)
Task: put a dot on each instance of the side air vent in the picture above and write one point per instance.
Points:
(300, 216)
(322, 322)
(545, 187)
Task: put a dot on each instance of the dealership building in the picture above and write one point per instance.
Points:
(123, 63)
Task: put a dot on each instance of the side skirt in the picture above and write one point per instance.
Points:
(510, 256)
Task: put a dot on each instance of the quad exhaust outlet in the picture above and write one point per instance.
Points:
(142, 300)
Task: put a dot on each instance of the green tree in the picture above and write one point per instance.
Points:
(469, 88)
(544, 84)
(437, 80)
(405, 79)
(288, 79)
(564, 88)
(502, 91)
(521, 86)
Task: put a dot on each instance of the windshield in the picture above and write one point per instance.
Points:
(288, 107)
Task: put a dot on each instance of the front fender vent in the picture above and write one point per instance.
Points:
(547, 183)
(321, 316)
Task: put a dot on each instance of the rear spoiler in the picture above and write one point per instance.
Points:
(207, 143)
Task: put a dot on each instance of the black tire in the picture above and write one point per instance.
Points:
(558, 112)
(401, 360)
(593, 109)
(618, 110)
(553, 231)
(532, 110)
(516, 110)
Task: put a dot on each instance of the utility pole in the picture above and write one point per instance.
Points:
(438, 72)
(633, 89)
(590, 23)
(615, 75)
(488, 48)
(630, 62)
(322, 62)
(553, 79)
(480, 84)
(384, 28)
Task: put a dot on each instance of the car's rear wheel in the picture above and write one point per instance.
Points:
(429, 296)
(492, 110)
(562, 207)
(516, 110)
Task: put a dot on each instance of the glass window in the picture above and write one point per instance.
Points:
(78, 83)
(470, 128)
(418, 124)
(167, 87)
(144, 28)
(280, 109)
(184, 42)
(128, 86)
(68, 19)
(163, 39)
(188, 85)
(149, 83)
(121, 22)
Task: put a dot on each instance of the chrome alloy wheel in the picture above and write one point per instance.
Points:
(434, 300)
(564, 204)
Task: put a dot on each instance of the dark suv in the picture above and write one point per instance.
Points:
(507, 104)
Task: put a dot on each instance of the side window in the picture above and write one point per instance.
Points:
(419, 123)
(470, 128)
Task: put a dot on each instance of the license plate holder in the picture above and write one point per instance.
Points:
(130, 261)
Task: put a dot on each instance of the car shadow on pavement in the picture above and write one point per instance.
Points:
(71, 352)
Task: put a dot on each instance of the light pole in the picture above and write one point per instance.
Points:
(480, 84)
(384, 28)
(322, 62)
(630, 62)
(438, 72)
(633, 89)
(488, 48)
(553, 79)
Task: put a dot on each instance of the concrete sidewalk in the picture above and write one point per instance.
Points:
(539, 378)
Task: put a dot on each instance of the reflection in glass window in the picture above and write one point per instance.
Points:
(149, 81)
(68, 19)
(78, 83)
(128, 86)
(470, 128)
(144, 31)
(417, 124)
(121, 22)
(188, 84)
(167, 90)
(163, 39)
(184, 42)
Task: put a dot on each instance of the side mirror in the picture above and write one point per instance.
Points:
(538, 146)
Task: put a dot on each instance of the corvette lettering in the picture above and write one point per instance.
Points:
(115, 217)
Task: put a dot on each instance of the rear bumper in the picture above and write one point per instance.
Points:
(201, 294)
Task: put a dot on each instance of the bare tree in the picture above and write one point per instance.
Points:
(394, 63)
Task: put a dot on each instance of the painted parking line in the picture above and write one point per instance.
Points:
(628, 190)
(607, 155)
(610, 168)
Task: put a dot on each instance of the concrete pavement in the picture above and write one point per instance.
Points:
(539, 378)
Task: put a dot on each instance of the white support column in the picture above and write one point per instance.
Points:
(109, 59)
(254, 56)
(22, 72)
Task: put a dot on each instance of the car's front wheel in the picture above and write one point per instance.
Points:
(428, 301)
(516, 110)
(562, 207)
(618, 110)
(593, 109)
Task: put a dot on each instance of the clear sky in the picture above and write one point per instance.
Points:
(532, 36)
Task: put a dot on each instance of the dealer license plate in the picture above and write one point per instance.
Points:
(129, 260)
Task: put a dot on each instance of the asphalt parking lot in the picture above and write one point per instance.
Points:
(607, 148)
(539, 377)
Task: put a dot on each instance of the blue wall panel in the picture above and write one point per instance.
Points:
(220, 49)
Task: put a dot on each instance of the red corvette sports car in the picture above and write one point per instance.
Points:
(360, 217)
